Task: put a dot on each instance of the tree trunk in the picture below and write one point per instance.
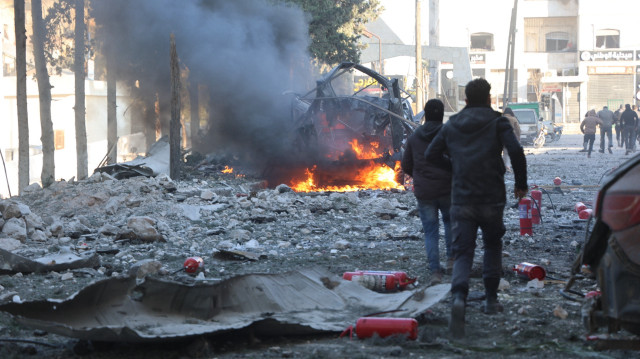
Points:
(112, 121)
(44, 90)
(175, 152)
(195, 113)
(81, 129)
(21, 95)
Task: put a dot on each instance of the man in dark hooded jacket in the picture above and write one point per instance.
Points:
(474, 139)
(431, 186)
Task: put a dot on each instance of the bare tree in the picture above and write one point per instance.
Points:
(21, 94)
(78, 68)
(44, 91)
(175, 152)
(112, 121)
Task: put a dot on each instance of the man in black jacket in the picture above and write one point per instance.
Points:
(431, 186)
(629, 122)
(474, 139)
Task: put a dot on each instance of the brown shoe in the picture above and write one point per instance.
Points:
(449, 266)
(436, 278)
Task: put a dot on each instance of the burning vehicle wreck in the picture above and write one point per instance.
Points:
(350, 139)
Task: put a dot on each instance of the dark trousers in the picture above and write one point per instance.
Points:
(618, 133)
(588, 141)
(606, 131)
(465, 221)
(629, 136)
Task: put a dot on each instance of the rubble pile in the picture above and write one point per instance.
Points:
(148, 226)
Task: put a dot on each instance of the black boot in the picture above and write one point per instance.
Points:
(491, 304)
(456, 323)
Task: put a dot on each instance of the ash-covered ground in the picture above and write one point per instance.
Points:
(155, 219)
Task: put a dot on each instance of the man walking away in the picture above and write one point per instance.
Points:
(617, 125)
(431, 186)
(606, 116)
(474, 139)
(629, 123)
(588, 127)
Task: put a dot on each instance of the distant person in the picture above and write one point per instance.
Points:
(617, 125)
(588, 127)
(606, 116)
(508, 113)
(629, 123)
(474, 138)
(432, 188)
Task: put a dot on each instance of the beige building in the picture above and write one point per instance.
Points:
(570, 55)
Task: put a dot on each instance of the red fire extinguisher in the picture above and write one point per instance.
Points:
(530, 271)
(380, 281)
(366, 327)
(537, 205)
(579, 207)
(525, 216)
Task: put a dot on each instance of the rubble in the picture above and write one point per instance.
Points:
(288, 231)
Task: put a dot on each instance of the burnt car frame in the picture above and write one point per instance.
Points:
(327, 118)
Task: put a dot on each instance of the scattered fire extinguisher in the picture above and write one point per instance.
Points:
(580, 207)
(193, 265)
(380, 281)
(536, 209)
(585, 213)
(530, 271)
(366, 327)
(525, 216)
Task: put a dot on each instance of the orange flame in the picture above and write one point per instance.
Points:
(374, 176)
(227, 169)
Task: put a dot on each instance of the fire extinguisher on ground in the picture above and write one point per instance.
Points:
(367, 327)
(380, 281)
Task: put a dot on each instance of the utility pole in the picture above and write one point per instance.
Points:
(508, 71)
(419, 95)
(434, 40)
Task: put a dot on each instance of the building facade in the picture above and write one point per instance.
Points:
(570, 55)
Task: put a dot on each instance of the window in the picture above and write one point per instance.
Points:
(608, 39)
(550, 34)
(481, 41)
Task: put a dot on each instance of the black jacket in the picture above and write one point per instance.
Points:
(474, 139)
(629, 118)
(430, 181)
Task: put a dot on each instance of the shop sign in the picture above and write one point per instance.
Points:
(477, 59)
(626, 55)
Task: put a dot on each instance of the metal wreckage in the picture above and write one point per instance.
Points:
(344, 128)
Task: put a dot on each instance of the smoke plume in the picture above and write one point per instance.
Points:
(245, 51)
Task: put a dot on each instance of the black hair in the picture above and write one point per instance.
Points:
(477, 91)
(508, 111)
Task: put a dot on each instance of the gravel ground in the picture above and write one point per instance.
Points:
(376, 230)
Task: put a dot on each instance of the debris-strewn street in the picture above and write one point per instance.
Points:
(147, 227)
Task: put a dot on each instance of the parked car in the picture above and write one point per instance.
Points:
(530, 126)
(612, 252)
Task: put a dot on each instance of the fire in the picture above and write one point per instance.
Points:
(227, 169)
(369, 174)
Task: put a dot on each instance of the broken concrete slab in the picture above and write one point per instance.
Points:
(12, 262)
(304, 301)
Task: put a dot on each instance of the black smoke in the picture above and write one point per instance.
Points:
(245, 51)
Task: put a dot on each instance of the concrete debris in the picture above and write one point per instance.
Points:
(560, 312)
